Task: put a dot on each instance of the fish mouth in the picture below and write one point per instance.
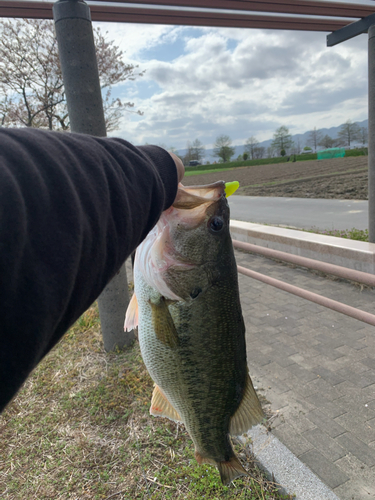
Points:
(189, 198)
(196, 203)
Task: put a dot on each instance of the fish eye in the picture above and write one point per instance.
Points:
(194, 294)
(216, 224)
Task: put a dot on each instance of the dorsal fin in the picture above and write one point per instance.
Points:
(249, 412)
(131, 317)
(161, 407)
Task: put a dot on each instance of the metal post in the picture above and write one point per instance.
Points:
(85, 107)
(371, 133)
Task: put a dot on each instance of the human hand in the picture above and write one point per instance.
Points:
(179, 166)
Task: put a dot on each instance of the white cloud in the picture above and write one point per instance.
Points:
(136, 38)
(202, 82)
(239, 82)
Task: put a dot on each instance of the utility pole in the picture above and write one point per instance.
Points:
(366, 24)
(85, 107)
(371, 132)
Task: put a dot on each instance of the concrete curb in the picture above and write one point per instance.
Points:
(352, 254)
(282, 466)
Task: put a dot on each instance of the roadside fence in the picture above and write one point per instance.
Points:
(342, 272)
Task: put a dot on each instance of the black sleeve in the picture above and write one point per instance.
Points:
(72, 209)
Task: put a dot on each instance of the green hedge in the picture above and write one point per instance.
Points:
(269, 161)
(250, 163)
(356, 152)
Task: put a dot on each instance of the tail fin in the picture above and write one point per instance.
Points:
(230, 470)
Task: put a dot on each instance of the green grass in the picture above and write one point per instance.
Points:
(80, 429)
(208, 171)
(350, 234)
(247, 163)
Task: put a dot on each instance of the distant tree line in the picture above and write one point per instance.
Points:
(349, 132)
(282, 144)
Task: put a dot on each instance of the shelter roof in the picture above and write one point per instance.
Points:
(304, 15)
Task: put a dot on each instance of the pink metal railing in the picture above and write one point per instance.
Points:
(342, 272)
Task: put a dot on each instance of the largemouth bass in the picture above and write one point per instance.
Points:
(190, 326)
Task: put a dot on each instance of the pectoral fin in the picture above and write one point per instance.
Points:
(249, 412)
(161, 407)
(162, 321)
(131, 318)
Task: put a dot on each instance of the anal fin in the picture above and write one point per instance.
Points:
(131, 317)
(161, 407)
(249, 412)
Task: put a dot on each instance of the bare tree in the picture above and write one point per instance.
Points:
(349, 132)
(294, 150)
(363, 136)
(194, 151)
(172, 149)
(297, 147)
(197, 150)
(31, 87)
(5, 107)
(259, 152)
(250, 144)
(314, 138)
(326, 142)
(223, 148)
(188, 155)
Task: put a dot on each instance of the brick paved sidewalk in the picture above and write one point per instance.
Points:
(317, 368)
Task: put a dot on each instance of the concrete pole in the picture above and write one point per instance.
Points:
(85, 107)
(371, 133)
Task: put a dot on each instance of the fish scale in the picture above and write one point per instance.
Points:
(179, 373)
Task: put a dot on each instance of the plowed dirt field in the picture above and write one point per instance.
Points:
(344, 178)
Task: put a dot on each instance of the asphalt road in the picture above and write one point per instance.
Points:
(300, 212)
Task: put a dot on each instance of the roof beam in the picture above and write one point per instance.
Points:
(15, 8)
(43, 10)
(303, 7)
(350, 31)
(191, 18)
(21, 8)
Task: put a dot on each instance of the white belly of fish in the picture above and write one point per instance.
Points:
(162, 362)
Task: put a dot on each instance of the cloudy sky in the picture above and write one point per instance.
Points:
(203, 82)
